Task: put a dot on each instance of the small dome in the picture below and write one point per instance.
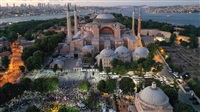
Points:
(59, 62)
(141, 52)
(105, 16)
(121, 50)
(107, 53)
(153, 96)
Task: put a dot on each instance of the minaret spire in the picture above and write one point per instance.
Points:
(139, 28)
(75, 21)
(139, 22)
(133, 22)
(69, 32)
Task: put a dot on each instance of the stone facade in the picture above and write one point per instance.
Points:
(103, 32)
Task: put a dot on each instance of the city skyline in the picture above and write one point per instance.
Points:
(102, 2)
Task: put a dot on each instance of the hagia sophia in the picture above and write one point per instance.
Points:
(105, 35)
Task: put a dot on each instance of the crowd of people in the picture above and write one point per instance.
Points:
(67, 93)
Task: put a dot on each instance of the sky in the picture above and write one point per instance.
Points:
(104, 2)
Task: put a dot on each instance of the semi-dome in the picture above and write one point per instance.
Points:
(154, 96)
(121, 50)
(105, 18)
(107, 53)
(140, 52)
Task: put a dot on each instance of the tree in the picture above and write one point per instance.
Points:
(37, 59)
(50, 84)
(101, 86)
(114, 62)
(110, 85)
(193, 41)
(37, 85)
(172, 38)
(25, 84)
(84, 86)
(167, 27)
(133, 65)
(195, 86)
(184, 43)
(88, 55)
(92, 100)
(121, 70)
(5, 61)
(55, 68)
(127, 85)
(107, 70)
(33, 108)
(101, 65)
(171, 93)
(45, 84)
(28, 35)
(29, 63)
(158, 67)
(152, 47)
(12, 36)
(149, 81)
(183, 107)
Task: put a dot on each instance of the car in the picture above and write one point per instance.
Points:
(195, 103)
(169, 70)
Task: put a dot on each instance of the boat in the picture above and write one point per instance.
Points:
(168, 16)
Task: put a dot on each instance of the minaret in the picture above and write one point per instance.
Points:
(75, 21)
(69, 32)
(139, 22)
(139, 28)
(133, 22)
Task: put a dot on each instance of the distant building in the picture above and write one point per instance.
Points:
(182, 38)
(159, 35)
(59, 61)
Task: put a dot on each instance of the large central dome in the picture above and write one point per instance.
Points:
(104, 18)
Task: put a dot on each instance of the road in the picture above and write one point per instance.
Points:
(165, 71)
(13, 73)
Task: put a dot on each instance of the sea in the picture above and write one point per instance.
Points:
(172, 18)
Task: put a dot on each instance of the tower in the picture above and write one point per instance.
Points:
(139, 22)
(133, 21)
(69, 32)
(75, 21)
(139, 28)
